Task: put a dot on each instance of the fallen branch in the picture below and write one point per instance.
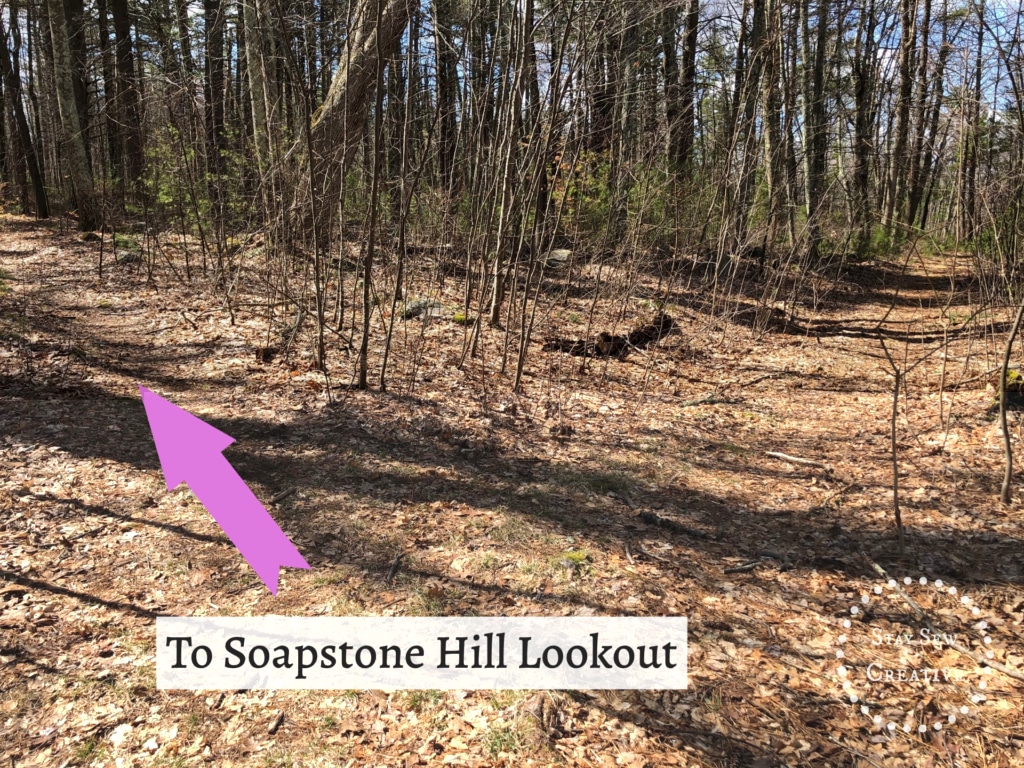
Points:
(282, 495)
(762, 556)
(709, 400)
(743, 568)
(186, 318)
(797, 460)
(643, 551)
(672, 525)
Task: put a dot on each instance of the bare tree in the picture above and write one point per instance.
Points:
(73, 139)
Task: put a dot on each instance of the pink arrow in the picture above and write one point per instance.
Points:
(190, 451)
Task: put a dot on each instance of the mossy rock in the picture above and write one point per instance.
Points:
(126, 242)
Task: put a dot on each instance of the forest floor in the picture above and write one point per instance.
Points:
(645, 486)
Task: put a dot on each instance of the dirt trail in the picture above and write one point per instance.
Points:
(578, 496)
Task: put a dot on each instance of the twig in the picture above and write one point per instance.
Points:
(188, 320)
(276, 724)
(983, 375)
(836, 494)
(629, 555)
(672, 525)
(393, 570)
(643, 551)
(250, 585)
(759, 379)
(743, 568)
(796, 459)
(282, 495)
(898, 378)
(752, 564)
(709, 400)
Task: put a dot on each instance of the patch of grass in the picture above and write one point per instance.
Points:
(610, 482)
(503, 738)
(577, 557)
(278, 758)
(420, 700)
(461, 318)
(89, 688)
(572, 563)
(504, 699)
(512, 530)
(354, 600)
(192, 722)
(4, 287)
(126, 242)
(89, 750)
(489, 561)
(712, 700)
(530, 567)
(331, 579)
(427, 604)
(329, 721)
(600, 483)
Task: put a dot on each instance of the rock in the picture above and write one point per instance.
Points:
(127, 257)
(557, 257)
(421, 307)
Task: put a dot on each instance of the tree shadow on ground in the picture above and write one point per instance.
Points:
(359, 463)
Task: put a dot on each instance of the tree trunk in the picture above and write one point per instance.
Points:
(129, 110)
(673, 97)
(213, 99)
(914, 183)
(447, 94)
(688, 88)
(12, 85)
(815, 136)
(968, 218)
(255, 64)
(745, 131)
(898, 164)
(74, 145)
(338, 129)
(114, 143)
(74, 13)
(774, 154)
(926, 159)
(864, 64)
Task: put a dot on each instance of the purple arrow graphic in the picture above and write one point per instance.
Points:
(190, 451)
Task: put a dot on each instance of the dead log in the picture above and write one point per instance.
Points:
(606, 344)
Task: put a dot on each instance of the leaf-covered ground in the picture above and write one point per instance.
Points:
(656, 485)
